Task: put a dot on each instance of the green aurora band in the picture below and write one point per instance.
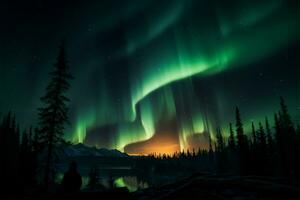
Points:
(255, 31)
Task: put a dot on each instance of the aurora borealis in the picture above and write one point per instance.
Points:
(151, 75)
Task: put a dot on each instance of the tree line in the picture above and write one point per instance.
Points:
(266, 151)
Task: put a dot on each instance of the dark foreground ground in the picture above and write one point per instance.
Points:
(200, 186)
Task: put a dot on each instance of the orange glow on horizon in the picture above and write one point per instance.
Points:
(165, 144)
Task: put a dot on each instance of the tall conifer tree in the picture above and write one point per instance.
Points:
(53, 115)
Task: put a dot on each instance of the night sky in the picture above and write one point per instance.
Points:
(152, 75)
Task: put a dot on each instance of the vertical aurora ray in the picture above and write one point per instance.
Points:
(151, 111)
(82, 126)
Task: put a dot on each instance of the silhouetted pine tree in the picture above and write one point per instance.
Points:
(54, 114)
(278, 134)
(254, 136)
(211, 154)
(254, 151)
(262, 149)
(269, 134)
(231, 139)
(289, 140)
(242, 145)
(239, 130)
(261, 136)
(221, 152)
(270, 148)
(270, 140)
(268, 130)
(285, 117)
(281, 155)
(194, 153)
(188, 154)
(232, 154)
(220, 141)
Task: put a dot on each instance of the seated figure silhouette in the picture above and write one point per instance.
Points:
(72, 180)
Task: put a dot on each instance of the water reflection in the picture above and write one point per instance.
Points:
(131, 182)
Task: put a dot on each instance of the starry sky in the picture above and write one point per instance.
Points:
(152, 75)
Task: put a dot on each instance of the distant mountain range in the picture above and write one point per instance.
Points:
(65, 151)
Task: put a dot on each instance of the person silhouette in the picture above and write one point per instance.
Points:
(72, 180)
